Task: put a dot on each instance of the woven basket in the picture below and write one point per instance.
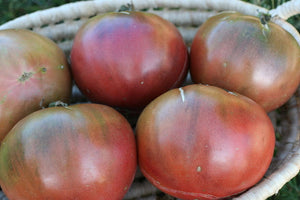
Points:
(61, 23)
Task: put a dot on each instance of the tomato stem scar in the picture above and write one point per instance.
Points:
(25, 76)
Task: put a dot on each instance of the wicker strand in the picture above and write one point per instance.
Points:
(237, 5)
(287, 9)
(288, 27)
(89, 8)
(271, 185)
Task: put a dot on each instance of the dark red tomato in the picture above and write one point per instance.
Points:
(239, 53)
(201, 142)
(83, 152)
(127, 59)
(33, 72)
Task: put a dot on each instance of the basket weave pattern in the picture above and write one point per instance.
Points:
(61, 24)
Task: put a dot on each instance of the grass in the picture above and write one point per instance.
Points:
(11, 9)
(291, 191)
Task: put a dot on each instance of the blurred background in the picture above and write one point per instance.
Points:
(10, 9)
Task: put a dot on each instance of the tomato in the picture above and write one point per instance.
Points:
(201, 142)
(83, 152)
(33, 72)
(126, 59)
(240, 53)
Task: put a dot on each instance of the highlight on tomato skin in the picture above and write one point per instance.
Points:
(126, 59)
(240, 53)
(202, 142)
(83, 151)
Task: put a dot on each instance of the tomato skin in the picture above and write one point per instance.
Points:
(201, 142)
(33, 73)
(85, 151)
(236, 52)
(127, 59)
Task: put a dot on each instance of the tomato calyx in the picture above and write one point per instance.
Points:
(58, 104)
(264, 17)
(27, 75)
(126, 8)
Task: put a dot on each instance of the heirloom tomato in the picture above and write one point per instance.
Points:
(126, 59)
(83, 152)
(33, 72)
(256, 58)
(202, 142)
